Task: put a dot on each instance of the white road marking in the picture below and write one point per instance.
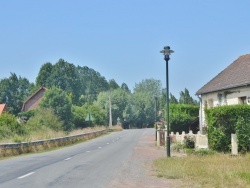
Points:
(99, 147)
(21, 177)
(113, 141)
(88, 151)
(67, 159)
(107, 143)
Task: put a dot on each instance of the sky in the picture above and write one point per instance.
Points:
(122, 39)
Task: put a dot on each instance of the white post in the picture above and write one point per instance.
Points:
(234, 144)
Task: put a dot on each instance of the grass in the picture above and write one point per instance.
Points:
(217, 170)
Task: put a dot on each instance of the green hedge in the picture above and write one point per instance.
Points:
(181, 115)
(226, 120)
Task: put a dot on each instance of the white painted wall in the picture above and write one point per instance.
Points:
(225, 97)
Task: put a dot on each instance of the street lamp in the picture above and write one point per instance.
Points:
(166, 52)
(155, 117)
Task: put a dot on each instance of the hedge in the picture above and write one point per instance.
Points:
(226, 120)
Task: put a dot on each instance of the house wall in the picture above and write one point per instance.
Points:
(33, 102)
(224, 97)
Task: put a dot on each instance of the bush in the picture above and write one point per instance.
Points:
(243, 134)
(222, 123)
(9, 126)
(44, 118)
(181, 115)
(189, 142)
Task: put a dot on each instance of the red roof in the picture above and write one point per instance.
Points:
(3, 107)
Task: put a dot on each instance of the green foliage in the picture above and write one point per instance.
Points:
(243, 134)
(181, 115)
(80, 114)
(26, 115)
(59, 101)
(113, 84)
(185, 98)
(199, 152)
(9, 126)
(44, 117)
(222, 123)
(189, 142)
(13, 91)
(172, 99)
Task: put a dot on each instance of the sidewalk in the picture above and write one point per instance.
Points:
(138, 171)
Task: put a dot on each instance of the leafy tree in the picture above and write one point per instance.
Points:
(144, 100)
(43, 75)
(125, 87)
(92, 84)
(151, 86)
(119, 101)
(185, 98)
(113, 84)
(80, 113)
(172, 99)
(58, 100)
(14, 91)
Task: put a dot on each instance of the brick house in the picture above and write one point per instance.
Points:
(3, 108)
(33, 101)
(229, 87)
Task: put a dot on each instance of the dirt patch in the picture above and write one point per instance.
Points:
(138, 170)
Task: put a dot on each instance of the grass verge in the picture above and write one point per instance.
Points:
(217, 170)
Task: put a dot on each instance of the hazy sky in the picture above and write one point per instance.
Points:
(121, 39)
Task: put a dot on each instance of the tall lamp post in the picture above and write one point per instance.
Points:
(166, 52)
(155, 117)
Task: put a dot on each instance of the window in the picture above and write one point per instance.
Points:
(243, 100)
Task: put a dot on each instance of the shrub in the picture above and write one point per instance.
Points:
(181, 115)
(9, 126)
(44, 118)
(189, 142)
(222, 123)
(243, 134)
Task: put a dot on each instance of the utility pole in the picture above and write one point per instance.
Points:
(110, 112)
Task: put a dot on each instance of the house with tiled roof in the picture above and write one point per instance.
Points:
(3, 108)
(231, 86)
(33, 101)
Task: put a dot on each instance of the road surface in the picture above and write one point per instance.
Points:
(94, 163)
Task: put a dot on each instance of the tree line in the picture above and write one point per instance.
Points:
(75, 91)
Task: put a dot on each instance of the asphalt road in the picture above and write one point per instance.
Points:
(91, 164)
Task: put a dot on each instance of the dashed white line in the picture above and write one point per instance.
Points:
(21, 177)
(99, 147)
(108, 143)
(88, 151)
(67, 159)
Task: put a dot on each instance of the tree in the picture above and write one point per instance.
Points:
(43, 75)
(125, 87)
(144, 101)
(119, 100)
(113, 84)
(151, 86)
(14, 91)
(172, 99)
(58, 100)
(185, 98)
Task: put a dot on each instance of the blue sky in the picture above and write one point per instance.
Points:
(121, 39)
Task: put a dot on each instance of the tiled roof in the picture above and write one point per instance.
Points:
(3, 108)
(235, 75)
